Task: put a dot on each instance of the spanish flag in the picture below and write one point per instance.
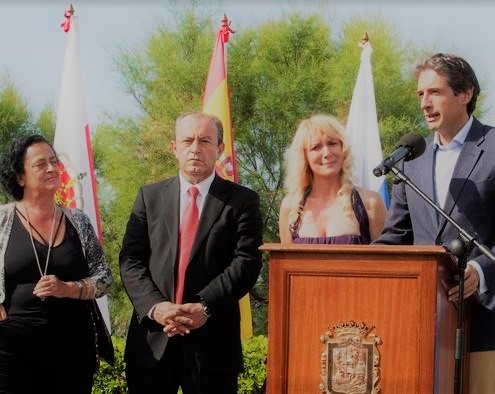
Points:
(216, 102)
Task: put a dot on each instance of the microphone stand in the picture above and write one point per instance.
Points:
(460, 247)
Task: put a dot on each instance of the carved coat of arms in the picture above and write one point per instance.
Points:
(350, 359)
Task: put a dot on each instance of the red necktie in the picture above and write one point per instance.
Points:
(186, 239)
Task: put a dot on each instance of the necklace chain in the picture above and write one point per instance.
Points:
(50, 241)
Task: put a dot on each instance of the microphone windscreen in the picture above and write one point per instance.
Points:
(414, 141)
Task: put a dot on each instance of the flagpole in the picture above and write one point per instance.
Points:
(216, 101)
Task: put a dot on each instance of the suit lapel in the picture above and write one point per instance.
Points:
(466, 163)
(425, 182)
(170, 198)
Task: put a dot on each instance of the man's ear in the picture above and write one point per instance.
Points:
(468, 95)
(221, 148)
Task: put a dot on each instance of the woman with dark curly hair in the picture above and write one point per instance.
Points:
(51, 263)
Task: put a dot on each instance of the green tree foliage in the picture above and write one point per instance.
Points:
(14, 114)
(46, 122)
(16, 119)
(13, 118)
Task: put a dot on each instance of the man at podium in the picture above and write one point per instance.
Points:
(457, 172)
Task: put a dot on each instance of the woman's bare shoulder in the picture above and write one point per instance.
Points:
(370, 197)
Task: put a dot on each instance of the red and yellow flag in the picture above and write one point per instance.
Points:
(216, 101)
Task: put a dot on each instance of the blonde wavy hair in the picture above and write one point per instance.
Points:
(299, 176)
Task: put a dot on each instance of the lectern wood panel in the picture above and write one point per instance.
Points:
(401, 291)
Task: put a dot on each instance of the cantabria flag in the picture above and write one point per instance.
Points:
(73, 141)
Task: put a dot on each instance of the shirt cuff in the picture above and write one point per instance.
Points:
(150, 312)
(482, 287)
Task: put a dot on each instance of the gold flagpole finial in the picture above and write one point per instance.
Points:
(365, 38)
(69, 11)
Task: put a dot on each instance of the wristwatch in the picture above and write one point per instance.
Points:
(206, 310)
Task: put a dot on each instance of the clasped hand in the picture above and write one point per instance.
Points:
(50, 285)
(179, 319)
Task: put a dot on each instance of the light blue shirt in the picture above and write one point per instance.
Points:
(445, 160)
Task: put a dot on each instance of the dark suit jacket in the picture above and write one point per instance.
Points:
(470, 202)
(225, 264)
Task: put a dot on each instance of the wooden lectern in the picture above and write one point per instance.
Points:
(318, 292)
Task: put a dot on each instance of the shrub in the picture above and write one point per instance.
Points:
(252, 380)
(111, 379)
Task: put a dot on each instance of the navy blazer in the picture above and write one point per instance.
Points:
(224, 265)
(470, 202)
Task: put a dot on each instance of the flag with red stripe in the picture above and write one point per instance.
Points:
(73, 140)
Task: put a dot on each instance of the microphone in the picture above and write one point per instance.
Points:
(409, 147)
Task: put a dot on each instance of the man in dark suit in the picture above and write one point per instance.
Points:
(457, 171)
(193, 343)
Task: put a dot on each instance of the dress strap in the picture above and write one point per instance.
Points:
(294, 227)
(361, 216)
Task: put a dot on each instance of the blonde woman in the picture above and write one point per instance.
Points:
(322, 204)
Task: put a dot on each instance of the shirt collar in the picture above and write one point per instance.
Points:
(203, 186)
(459, 138)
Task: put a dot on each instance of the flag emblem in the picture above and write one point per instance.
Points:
(70, 192)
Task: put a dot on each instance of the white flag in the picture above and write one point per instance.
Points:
(73, 141)
(362, 128)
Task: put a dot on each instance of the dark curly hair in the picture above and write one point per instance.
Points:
(12, 164)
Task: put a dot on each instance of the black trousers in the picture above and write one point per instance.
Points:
(179, 367)
(44, 362)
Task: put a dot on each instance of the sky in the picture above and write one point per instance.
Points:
(32, 43)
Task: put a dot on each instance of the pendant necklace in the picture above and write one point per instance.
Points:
(50, 242)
